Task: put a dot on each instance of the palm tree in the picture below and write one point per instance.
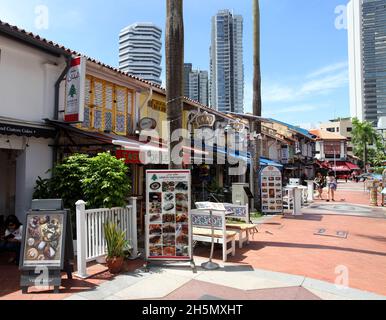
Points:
(174, 45)
(363, 135)
(256, 125)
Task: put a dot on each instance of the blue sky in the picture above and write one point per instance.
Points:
(304, 55)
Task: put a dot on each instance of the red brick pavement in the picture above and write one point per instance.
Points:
(10, 286)
(288, 244)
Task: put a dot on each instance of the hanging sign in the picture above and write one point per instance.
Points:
(168, 203)
(75, 91)
(271, 190)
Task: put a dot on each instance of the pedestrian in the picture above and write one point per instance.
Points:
(332, 186)
(11, 240)
(320, 183)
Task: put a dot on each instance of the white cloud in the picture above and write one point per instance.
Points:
(328, 69)
(325, 84)
(321, 81)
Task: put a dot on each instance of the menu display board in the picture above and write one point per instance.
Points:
(168, 203)
(271, 190)
(43, 240)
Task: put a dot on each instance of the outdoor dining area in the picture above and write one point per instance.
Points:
(222, 223)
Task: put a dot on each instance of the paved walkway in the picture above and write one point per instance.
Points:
(290, 258)
(232, 281)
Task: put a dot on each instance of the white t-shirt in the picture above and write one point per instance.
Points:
(17, 233)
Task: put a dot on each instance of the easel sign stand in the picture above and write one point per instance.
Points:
(45, 249)
(211, 206)
(210, 265)
(168, 226)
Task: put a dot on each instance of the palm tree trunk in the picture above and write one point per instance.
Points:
(174, 45)
(256, 125)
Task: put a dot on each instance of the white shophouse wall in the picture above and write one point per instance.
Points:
(27, 81)
(27, 92)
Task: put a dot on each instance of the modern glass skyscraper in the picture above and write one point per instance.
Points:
(140, 51)
(226, 63)
(367, 58)
(196, 84)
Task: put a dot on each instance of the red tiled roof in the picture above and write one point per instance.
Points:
(326, 135)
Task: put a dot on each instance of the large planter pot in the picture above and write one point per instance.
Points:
(115, 264)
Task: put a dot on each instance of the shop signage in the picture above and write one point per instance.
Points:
(130, 156)
(158, 105)
(147, 124)
(271, 190)
(75, 91)
(284, 154)
(10, 129)
(168, 227)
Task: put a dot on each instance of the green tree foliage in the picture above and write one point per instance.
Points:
(363, 136)
(101, 181)
(106, 184)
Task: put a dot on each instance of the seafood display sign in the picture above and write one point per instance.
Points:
(43, 243)
(168, 228)
(271, 190)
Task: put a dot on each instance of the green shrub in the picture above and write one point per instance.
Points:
(106, 184)
(101, 181)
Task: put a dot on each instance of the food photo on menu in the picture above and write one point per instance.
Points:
(168, 186)
(155, 251)
(170, 217)
(155, 229)
(43, 239)
(169, 239)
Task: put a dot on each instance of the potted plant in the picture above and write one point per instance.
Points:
(116, 247)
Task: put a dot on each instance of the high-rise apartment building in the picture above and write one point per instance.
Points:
(187, 70)
(226, 63)
(198, 86)
(367, 58)
(140, 51)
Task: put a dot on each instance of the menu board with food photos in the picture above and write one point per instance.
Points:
(168, 229)
(271, 190)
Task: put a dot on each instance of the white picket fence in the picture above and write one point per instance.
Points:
(91, 243)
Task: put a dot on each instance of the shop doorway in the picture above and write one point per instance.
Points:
(8, 158)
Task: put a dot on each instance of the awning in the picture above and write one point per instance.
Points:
(20, 128)
(352, 166)
(268, 162)
(343, 166)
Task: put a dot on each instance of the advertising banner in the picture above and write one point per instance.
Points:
(75, 91)
(168, 203)
(271, 190)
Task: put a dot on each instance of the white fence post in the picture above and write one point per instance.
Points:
(81, 231)
(134, 235)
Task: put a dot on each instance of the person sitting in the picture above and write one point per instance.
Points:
(11, 240)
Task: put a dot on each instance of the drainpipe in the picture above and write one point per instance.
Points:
(56, 107)
(57, 87)
(149, 97)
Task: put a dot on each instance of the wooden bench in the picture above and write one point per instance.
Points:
(202, 230)
(244, 230)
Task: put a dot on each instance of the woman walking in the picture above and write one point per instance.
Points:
(332, 186)
(320, 184)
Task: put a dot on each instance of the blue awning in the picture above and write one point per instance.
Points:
(267, 162)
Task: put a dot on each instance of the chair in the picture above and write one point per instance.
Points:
(202, 230)
(241, 213)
